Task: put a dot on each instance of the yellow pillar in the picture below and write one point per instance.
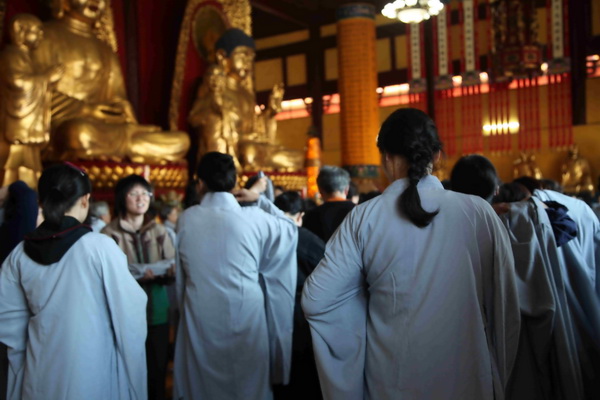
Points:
(357, 84)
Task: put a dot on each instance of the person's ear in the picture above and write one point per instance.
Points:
(85, 200)
(436, 156)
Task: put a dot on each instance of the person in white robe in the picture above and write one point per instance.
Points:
(236, 282)
(71, 314)
(416, 296)
(547, 362)
(581, 257)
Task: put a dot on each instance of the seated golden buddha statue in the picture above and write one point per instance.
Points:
(525, 165)
(226, 116)
(576, 174)
(91, 116)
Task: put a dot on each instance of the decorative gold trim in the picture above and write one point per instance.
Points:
(238, 14)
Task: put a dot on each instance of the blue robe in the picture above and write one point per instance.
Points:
(236, 282)
(74, 329)
(402, 312)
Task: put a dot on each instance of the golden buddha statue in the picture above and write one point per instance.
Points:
(91, 116)
(576, 173)
(525, 165)
(246, 135)
(25, 98)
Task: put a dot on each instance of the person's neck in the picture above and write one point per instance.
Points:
(136, 221)
(335, 196)
(78, 25)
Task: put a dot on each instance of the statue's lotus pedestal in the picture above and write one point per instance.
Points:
(295, 180)
(165, 178)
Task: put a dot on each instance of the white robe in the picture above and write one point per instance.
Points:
(401, 312)
(586, 246)
(74, 329)
(236, 284)
(547, 364)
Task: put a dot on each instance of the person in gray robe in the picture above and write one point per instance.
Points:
(547, 364)
(236, 282)
(416, 296)
(71, 314)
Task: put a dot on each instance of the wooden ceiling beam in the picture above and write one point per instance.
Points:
(284, 11)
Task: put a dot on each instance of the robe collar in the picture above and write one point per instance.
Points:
(219, 200)
(48, 243)
(427, 182)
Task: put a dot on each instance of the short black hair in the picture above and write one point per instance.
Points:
(123, 187)
(290, 202)
(217, 171)
(476, 175)
(529, 182)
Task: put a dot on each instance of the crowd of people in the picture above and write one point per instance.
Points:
(483, 291)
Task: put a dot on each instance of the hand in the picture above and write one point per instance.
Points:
(171, 271)
(148, 275)
(55, 73)
(260, 185)
(246, 195)
(108, 113)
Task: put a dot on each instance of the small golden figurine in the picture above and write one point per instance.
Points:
(576, 173)
(25, 98)
(525, 165)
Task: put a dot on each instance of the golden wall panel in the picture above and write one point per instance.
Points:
(542, 20)
(268, 73)
(282, 40)
(595, 17)
(455, 44)
(331, 64)
(291, 133)
(328, 30)
(384, 58)
(401, 52)
(593, 102)
(296, 69)
(483, 37)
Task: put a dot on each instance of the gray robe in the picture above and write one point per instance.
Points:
(236, 282)
(74, 329)
(547, 364)
(401, 312)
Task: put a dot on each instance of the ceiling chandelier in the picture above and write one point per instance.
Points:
(412, 11)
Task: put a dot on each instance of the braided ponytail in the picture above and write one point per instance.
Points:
(410, 133)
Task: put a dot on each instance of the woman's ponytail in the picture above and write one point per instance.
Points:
(410, 133)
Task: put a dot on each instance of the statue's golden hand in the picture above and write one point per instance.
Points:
(55, 73)
(108, 113)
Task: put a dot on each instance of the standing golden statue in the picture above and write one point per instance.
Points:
(227, 117)
(525, 165)
(91, 116)
(25, 98)
(576, 173)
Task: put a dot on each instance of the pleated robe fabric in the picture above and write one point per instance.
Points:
(74, 329)
(402, 312)
(236, 282)
(547, 364)
(586, 246)
(581, 259)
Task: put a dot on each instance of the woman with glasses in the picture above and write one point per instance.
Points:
(71, 315)
(151, 258)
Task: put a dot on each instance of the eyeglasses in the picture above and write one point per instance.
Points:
(139, 194)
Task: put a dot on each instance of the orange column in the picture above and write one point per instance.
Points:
(357, 84)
